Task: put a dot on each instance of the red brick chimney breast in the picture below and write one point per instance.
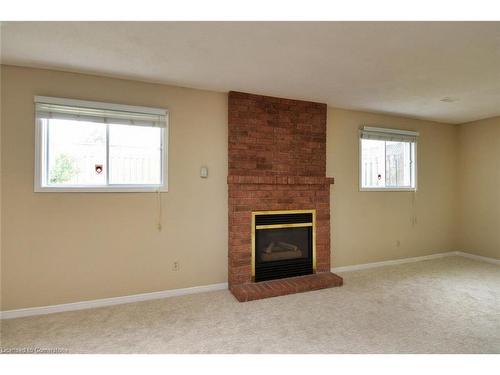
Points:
(277, 161)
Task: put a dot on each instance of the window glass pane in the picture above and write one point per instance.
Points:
(134, 155)
(373, 163)
(387, 164)
(76, 153)
(398, 166)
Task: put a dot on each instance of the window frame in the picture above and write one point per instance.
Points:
(41, 150)
(413, 162)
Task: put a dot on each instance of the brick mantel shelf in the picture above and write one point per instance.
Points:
(280, 180)
(277, 161)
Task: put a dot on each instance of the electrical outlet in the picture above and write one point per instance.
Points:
(176, 266)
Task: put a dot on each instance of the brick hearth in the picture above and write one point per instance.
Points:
(277, 161)
(281, 287)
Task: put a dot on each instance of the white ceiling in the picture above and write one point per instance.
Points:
(400, 68)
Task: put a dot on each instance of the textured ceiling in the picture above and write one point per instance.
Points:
(402, 68)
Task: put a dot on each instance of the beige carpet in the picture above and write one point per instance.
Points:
(449, 305)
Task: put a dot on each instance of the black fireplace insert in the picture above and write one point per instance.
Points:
(283, 244)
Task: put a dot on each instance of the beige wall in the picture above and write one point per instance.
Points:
(479, 187)
(1, 103)
(366, 226)
(67, 247)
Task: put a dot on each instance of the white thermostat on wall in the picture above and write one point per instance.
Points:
(203, 172)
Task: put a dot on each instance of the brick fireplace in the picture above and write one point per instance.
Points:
(277, 165)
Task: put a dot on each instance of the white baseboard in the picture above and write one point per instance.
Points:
(478, 257)
(364, 266)
(10, 314)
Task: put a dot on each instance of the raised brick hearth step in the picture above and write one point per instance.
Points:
(281, 287)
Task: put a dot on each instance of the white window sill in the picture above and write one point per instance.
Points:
(388, 189)
(101, 189)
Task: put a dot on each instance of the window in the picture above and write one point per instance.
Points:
(388, 159)
(91, 146)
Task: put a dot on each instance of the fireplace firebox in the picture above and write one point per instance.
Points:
(283, 244)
